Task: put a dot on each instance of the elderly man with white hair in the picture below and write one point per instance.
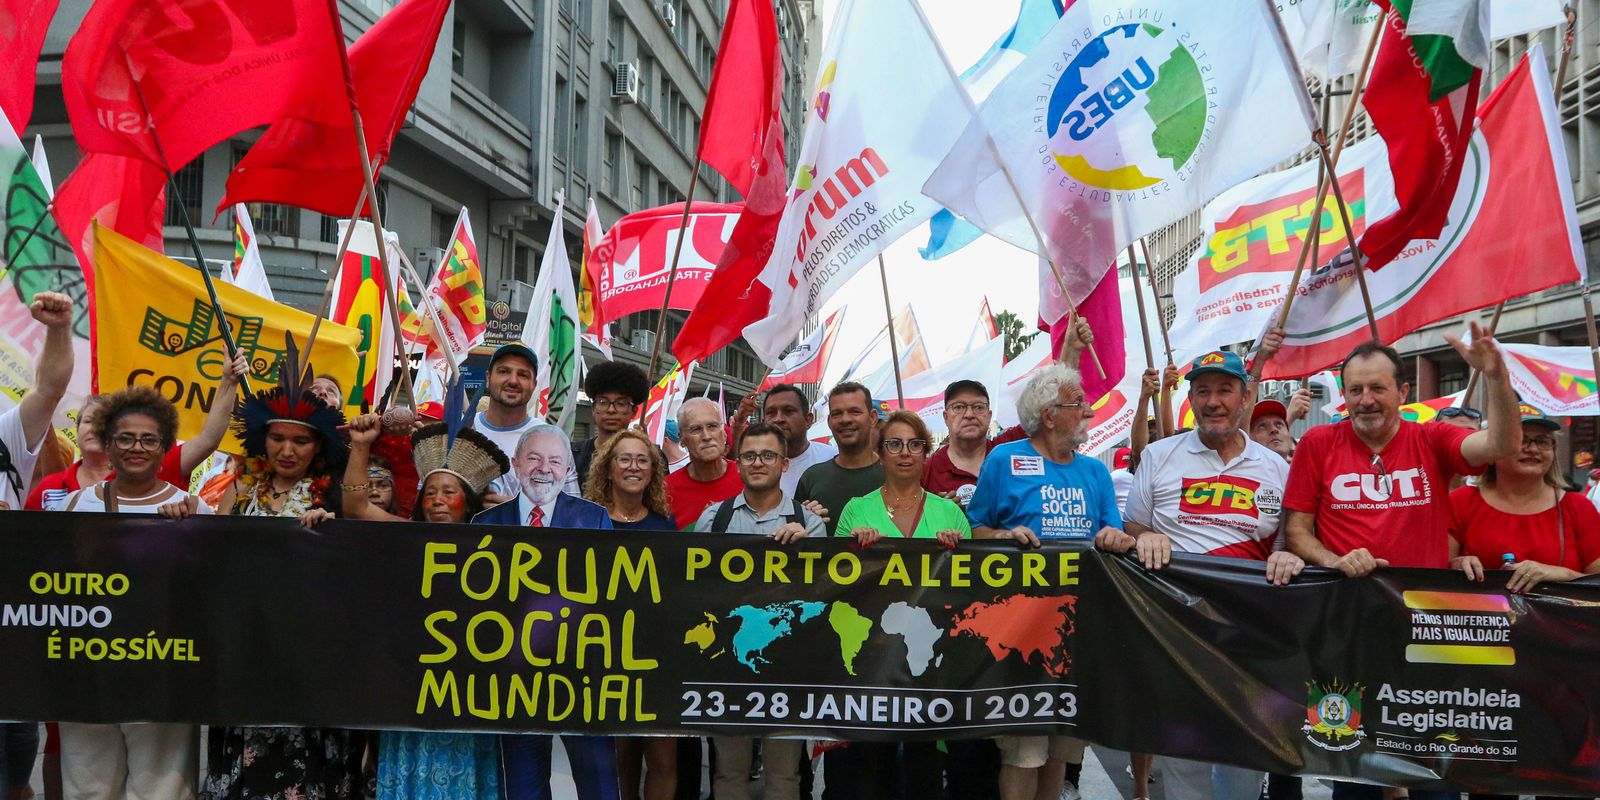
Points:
(709, 477)
(1034, 488)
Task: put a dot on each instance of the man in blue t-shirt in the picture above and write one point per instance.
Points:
(1040, 487)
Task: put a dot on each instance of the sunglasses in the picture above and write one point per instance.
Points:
(1452, 412)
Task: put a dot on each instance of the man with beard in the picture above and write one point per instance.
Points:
(540, 465)
(787, 409)
(1373, 491)
(856, 470)
(513, 371)
(1211, 490)
(1033, 488)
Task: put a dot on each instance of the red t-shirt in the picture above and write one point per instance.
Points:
(941, 475)
(1484, 531)
(65, 482)
(690, 497)
(1397, 507)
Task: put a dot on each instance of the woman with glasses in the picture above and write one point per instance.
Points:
(137, 426)
(1521, 517)
(901, 507)
(629, 477)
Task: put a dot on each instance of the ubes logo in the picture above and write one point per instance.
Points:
(1129, 110)
(1224, 494)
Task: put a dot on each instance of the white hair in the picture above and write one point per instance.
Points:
(694, 403)
(543, 427)
(1043, 389)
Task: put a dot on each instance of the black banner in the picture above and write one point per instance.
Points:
(1407, 677)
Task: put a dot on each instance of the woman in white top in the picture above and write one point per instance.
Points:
(137, 427)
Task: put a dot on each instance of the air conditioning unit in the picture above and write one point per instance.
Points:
(643, 339)
(428, 261)
(669, 14)
(515, 293)
(626, 85)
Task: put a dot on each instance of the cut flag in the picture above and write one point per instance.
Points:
(551, 331)
(360, 302)
(869, 145)
(1111, 130)
(807, 362)
(246, 272)
(630, 263)
(1513, 205)
(1422, 98)
(311, 160)
(596, 330)
(140, 84)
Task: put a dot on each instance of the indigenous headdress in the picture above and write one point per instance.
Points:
(290, 401)
(454, 447)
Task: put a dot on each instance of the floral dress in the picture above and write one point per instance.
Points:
(282, 763)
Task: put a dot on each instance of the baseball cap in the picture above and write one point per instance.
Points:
(1268, 408)
(1534, 415)
(1223, 361)
(517, 349)
(1122, 458)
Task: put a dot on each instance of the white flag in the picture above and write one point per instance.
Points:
(41, 165)
(887, 108)
(1513, 17)
(246, 272)
(1329, 37)
(1556, 380)
(1117, 126)
(551, 331)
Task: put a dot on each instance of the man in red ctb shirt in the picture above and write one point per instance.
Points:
(709, 477)
(1373, 491)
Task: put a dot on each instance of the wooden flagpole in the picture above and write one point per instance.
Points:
(672, 272)
(1349, 235)
(1144, 321)
(1155, 296)
(894, 347)
(333, 274)
(1594, 340)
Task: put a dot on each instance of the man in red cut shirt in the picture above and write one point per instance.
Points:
(1373, 491)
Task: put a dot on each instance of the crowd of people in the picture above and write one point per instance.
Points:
(1369, 492)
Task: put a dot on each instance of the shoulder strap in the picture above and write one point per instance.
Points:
(724, 515)
(108, 496)
(796, 512)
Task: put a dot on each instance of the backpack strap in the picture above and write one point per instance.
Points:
(796, 513)
(724, 515)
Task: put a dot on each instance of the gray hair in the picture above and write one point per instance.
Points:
(543, 427)
(1043, 389)
(694, 403)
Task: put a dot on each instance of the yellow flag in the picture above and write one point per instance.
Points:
(154, 326)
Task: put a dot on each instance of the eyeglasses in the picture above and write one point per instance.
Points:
(1452, 412)
(962, 408)
(768, 457)
(634, 462)
(614, 405)
(1079, 404)
(1385, 482)
(915, 447)
(1540, 442)
(130, 441)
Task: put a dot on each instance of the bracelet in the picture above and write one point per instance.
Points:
(355, 487)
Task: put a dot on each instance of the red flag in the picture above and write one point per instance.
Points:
(742, 122)
(126, 194)
(315, 164)
(204, 69)
(1102, 309)
(629, 264)
(23, 24)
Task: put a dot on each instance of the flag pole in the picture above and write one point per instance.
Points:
(1011, 180)
(894, 347)
(223, 328)
(1349, 235)
(1144, 321)
(1161, 311)
(333, 274)
(672, 273)
(374, 213)
(1594, 340)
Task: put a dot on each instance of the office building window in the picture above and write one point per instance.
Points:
(580, 136)
(561, 130)
(190, 180)
(458, 45)
(640, 180)
(611, 164)
(522, 263)
(647, 79)
(616, 28)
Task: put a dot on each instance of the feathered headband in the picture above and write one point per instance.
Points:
(290, 401)
(451, 446)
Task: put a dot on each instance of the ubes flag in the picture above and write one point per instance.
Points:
(886, 108)
(630, 263)
(161, 332)
(1123, 120)
(1556, 380)
(205, 70)
(1512, 218)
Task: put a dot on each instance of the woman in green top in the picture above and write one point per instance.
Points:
(902, 507)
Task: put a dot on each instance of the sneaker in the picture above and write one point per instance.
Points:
(1070, 792)
(1129, 769)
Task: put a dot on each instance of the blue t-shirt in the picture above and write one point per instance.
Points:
(1017, 486)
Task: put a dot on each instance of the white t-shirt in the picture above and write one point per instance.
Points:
(1122, 481)
(22, 459)
(88, 499)
(1183, 489)
(816, 453)
(506, 440)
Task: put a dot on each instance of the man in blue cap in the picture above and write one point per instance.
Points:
(513, 376)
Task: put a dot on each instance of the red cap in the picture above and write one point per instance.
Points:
(1269, 408)
(1122, 458)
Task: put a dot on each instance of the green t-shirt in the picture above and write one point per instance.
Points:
(833, 486)
(938, 514)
